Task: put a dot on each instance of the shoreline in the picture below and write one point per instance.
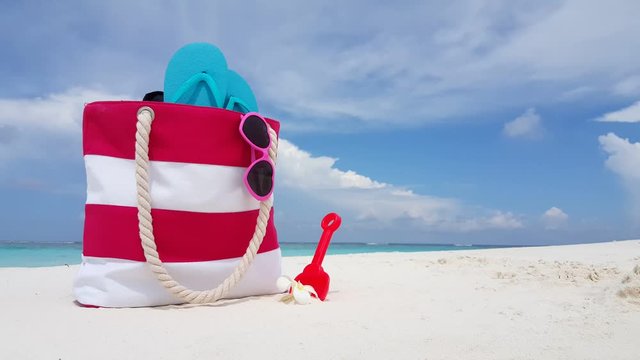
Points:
(549, 302)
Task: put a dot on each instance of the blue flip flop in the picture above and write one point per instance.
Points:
(197, 75)
(239, 95)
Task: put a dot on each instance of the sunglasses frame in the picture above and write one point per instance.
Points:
(254, 160)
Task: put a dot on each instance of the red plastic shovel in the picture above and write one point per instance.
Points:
(313, 274)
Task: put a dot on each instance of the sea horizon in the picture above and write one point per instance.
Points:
(60, 253)
(41, 254)
(3, 242)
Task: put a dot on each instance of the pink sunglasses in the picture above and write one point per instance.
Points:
(260, 174)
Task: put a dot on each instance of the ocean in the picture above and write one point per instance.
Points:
(53, 254)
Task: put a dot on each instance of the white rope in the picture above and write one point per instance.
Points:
(145, 222)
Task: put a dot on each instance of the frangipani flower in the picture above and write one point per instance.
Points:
(298, 292)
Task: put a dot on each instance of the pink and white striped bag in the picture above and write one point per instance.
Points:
(213, 239)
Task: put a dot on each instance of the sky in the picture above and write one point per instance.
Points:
(460, 122)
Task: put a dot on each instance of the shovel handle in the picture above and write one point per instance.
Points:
(330, 223)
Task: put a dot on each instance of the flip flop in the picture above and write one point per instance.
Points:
(239, 95)
(197, 75)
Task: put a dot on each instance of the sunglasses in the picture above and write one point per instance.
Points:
(260, 174)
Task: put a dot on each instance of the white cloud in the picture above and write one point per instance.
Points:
(476, 53)
(630, 114)
(624, 157)
(628, 86)
(577, 93)
(60, 112)
(370, 200)
(528, 125)
(29, 125)
(323, 71)
(504, 220)
(549, 49)
(554, 218)
(300, 169)
(624, 161)
(366, 199)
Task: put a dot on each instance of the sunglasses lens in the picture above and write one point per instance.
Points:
(255, 129)
(260, 178)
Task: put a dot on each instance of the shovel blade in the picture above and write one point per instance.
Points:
(316, 277)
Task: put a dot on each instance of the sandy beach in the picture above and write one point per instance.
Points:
(560, 302)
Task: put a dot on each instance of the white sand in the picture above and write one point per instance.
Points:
(564, 302)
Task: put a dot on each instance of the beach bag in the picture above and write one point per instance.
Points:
(168, 219)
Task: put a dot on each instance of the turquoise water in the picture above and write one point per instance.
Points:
(38, 254)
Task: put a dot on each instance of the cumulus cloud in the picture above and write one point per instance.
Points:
(624, 157)
(624, 160)
(370, 200)
(300, 169)
(630, 114)
(528, 126)
(58, 112)
(554, 218)
(44, 126)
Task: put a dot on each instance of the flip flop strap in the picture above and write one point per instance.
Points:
(195, 80)
(145, 222)
(237, 101)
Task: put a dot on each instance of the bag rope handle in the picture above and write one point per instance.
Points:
(145, 222)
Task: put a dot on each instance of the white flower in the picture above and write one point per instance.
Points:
(298, 292)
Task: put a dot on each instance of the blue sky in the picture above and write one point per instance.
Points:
(465, 122)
